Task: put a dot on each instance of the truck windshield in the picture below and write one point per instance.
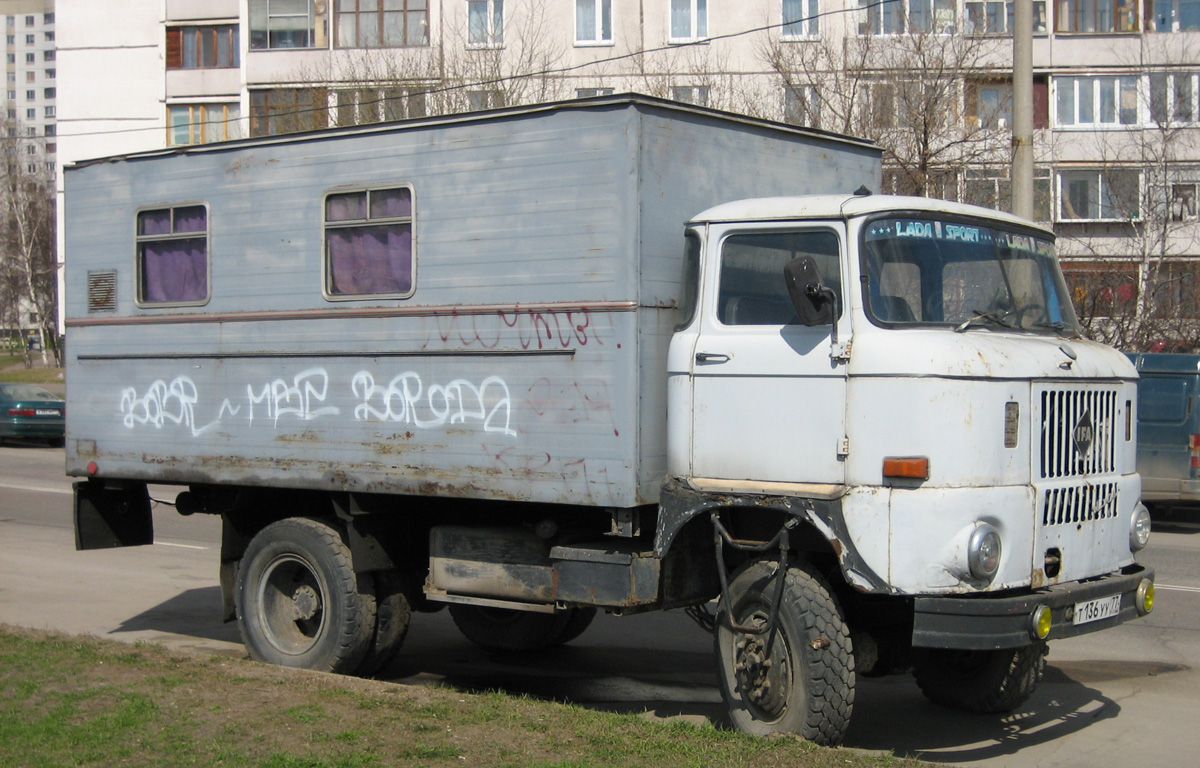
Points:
(963, 274)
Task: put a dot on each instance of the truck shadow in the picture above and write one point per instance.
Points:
(194, 614)
(1175, 519)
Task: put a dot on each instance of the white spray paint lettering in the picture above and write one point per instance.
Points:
(405, 399)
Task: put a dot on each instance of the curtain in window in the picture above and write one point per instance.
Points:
(370, 259)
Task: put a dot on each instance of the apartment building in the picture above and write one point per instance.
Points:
(31, 80)
(1116, 94)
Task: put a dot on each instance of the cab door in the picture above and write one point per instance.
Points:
(768, 397)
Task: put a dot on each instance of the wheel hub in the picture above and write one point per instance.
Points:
(306, 603)
(762, 678)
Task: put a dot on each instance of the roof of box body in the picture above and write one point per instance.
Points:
(845, 206)
(596, 103)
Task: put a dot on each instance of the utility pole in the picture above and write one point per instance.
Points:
(1022, 90)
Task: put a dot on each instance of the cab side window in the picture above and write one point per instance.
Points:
(752, 289)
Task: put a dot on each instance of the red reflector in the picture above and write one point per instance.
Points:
(92, 468)
(914, 467)
(1195, 442)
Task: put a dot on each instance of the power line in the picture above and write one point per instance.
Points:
(550, 72)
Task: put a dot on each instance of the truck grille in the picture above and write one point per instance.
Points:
(1078, 432)
(1079, 504)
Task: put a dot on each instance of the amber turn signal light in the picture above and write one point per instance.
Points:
(913, 468)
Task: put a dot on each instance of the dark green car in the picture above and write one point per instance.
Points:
(28, 411)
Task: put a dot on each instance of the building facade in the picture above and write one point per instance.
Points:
(1116, 95)
(31, 80)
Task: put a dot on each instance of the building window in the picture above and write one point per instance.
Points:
(386, 24)
(991, 187)
(287, 24)
(48, 93)
(1096, 16)
(1094, 101)
(30, 95)
(485, 23)
(287, 110)
(49, 111)
(480, 100)
(368, 243)
(31, 114)
(49, 130)
(30, 76)
(29, 21)
(202, 123)
(691, 94)
(593, 22)
(801, 19)
(585, 93)
(1110, 194)
(51, 74)
(689, 20)
(1172, 15)
(938, 16)
(48, 18)
(995, 17)
(989, 105)
(46, 56)
(801, 106)
(31, 58)
(1173, 98)
(359, 106)
(205, 47)
(30, 39)
(172, 255)
(49, 37)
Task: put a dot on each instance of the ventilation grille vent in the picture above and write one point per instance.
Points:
(102, 291)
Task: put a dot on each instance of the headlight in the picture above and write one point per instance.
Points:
(1139, 528)
(983, 552)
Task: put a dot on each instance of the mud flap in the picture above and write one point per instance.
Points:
(108, 516)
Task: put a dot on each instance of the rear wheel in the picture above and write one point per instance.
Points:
(392, 614)
(979, 681)
(299, 601)
(797, 678)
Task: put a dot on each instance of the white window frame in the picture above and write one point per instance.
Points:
(1174, 99)
(896, 18)
(1104, 201)
(801, 19)
(696, 18)
(696, 95)
(1166, 17)
(1071, 86)
(490, 33)
(205, 122)
(599, 14)
(587, 93)
(994, 23)
(802, 105)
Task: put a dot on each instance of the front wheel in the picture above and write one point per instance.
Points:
(979, 681)
(798, 678)
(299, 601)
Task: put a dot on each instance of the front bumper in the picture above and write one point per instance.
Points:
(986, 622)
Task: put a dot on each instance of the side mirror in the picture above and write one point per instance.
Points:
(815, 304)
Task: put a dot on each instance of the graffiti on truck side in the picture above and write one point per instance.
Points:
(406, 399)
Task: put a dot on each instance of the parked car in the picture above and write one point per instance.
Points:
(32, 412)
(1168, 444)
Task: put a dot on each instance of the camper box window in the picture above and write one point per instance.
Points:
(172, 256)
(369, 243)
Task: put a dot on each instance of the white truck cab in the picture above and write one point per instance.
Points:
(926, 392)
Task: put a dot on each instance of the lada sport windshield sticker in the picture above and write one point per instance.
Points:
(927, 229)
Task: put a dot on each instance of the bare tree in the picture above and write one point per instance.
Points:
(918, 93)
(29, 267)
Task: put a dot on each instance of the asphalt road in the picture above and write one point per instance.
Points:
(1125, 697)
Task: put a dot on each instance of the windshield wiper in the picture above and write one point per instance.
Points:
(983, 317)
(1059, 327)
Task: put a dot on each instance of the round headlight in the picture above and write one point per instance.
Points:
(1039, 622)
(983, 552)
(1145, 597)
(1139, 528)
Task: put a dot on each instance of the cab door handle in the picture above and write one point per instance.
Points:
(710, 357)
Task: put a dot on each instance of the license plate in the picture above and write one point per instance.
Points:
(1095, 610)
(48, 412)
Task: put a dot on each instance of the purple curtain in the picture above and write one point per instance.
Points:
(174, 271)
(370, 260)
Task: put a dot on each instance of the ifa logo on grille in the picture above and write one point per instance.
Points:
(1084, 434)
